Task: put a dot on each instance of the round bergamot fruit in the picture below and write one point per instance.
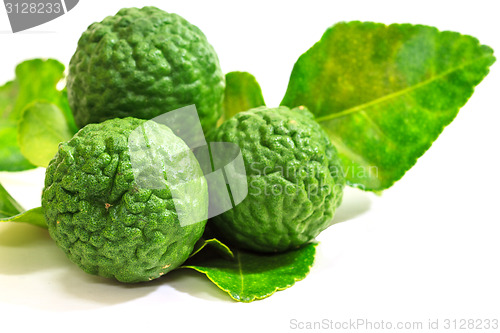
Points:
(294, 180)
(103, 217)
(142, 63)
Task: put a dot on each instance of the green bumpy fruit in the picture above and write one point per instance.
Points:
(103, 219)
(294, 180)
(142, 63)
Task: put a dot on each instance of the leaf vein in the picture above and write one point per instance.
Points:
(240, 271)
(396, 94)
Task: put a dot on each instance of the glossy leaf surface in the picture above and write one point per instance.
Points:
(385, 93)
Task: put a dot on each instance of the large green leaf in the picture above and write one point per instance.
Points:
(242, 93)
(33, 216)
(385, 93)
(8, 205)
(36, 80)
(41, 129)
(248, 276)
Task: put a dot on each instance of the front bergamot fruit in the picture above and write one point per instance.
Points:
(104, 219)
(142, 63)
(294, 180)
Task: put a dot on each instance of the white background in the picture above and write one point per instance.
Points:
(428, 248)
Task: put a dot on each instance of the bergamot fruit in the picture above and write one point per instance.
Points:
(103, 218)
(142, 63)
(294, 180)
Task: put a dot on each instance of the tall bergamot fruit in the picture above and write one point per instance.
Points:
(142, 63)
(294, 177)
(101, 215)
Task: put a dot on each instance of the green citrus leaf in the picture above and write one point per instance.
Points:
(33, 216)
(242, 93)
(214, 243)
(11, 211)
(249, 276)
(8, 205)
(41, 128)
(385, 93)
(8, 93)
(36, 80)
(11, 158)
(64, 105)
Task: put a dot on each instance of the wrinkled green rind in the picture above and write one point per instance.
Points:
(8, 205)
(35, 80)
(242, 93)
(294, 180)
(385, 93)
(41, 128)
(33, 216)
(104, 219)
(143, 63)
(249, 276)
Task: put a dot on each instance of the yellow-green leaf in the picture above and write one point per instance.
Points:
(36, 80)
(242, 93)
(11, 158)
(41, 129)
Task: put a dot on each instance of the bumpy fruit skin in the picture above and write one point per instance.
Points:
(103, 220)
(142, 63)
(294, 180)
